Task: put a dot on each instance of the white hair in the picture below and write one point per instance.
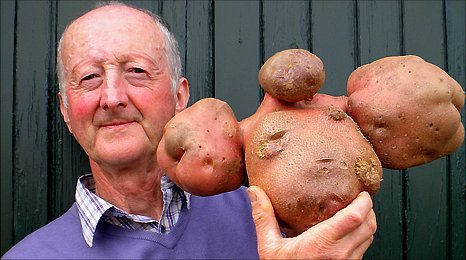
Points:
(170, 50)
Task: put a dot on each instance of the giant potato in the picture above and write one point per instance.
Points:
(201, 149)
(408, 108)
(310, 161)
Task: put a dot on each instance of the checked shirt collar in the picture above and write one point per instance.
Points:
(92, 208)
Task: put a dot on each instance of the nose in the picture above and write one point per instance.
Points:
(113, 94)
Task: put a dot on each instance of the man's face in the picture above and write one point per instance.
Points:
(118, 85)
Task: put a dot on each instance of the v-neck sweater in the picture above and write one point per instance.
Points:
(214, 227)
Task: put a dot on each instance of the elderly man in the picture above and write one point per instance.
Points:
(119, 72)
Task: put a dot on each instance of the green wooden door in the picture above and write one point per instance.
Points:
(420, 211)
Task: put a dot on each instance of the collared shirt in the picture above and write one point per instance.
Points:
(92, 208)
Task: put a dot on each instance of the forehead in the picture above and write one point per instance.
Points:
(111, 29)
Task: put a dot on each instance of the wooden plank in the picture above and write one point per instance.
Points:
(333, 40)
(379, 36)
(174, 12)
(199, 49)
(455, 26)
(286, 26)
(237, 55)
(388, 207)
(69, 160)
(154, 6)
(6, 119)
(30, 124)
(427, 184)
(379, 30)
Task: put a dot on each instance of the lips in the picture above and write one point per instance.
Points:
(115, 123)
(111, 119)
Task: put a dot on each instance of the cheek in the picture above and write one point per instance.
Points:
(157, 109)
(83, 108)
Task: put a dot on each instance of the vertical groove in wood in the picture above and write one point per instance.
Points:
(174, 12)
(427, 184)
(333, 42)
(8, 26)
(402, 28)
(68, 159)
(261, 41)
(277, 32)
(356, 29)
(236, 49)
(155, 6)
(404, 220)
(199, 66)
(52, 90)
(309, 39)
(211, 28)
(448, 159)
(455, 23)
(405, 209)
(378, 36)
(31, 106)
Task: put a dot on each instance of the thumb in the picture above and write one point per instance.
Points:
(267, 229)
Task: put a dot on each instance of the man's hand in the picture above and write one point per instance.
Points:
(346, 235)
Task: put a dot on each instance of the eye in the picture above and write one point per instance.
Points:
(91, 81)
(137, 76)
(89, 77)
(136, 70)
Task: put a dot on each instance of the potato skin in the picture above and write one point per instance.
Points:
(311, 162)
(292, 75)
(201, 149)
(408, 109)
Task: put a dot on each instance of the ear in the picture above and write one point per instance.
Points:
(64, 112)
(182, 94)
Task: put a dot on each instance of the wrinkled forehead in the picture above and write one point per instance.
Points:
(112, 29)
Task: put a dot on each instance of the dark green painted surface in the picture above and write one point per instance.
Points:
(31, 86)
(456, 66)
(237, 48)
(6, 121)
(420, 212)
(378, 38)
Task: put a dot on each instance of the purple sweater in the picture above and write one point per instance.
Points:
(215, 227)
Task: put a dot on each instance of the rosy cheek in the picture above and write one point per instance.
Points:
(83, 107)
(156, 107)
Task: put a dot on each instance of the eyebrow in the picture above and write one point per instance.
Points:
(121, 58)
(128, 57)
(80, 64)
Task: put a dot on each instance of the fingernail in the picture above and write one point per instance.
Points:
(252, 195)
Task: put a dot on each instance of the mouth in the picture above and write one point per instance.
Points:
(116, 124)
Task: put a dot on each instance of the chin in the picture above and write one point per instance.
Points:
(124, 153)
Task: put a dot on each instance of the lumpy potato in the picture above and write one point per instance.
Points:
(310, 161)
(201, 149)
(292, 75)
(408, 108)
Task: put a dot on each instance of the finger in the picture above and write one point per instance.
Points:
(358, 253)
(348, 219)
(361, 234)
(267, 228)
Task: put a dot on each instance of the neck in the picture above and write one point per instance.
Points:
(135, 190)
